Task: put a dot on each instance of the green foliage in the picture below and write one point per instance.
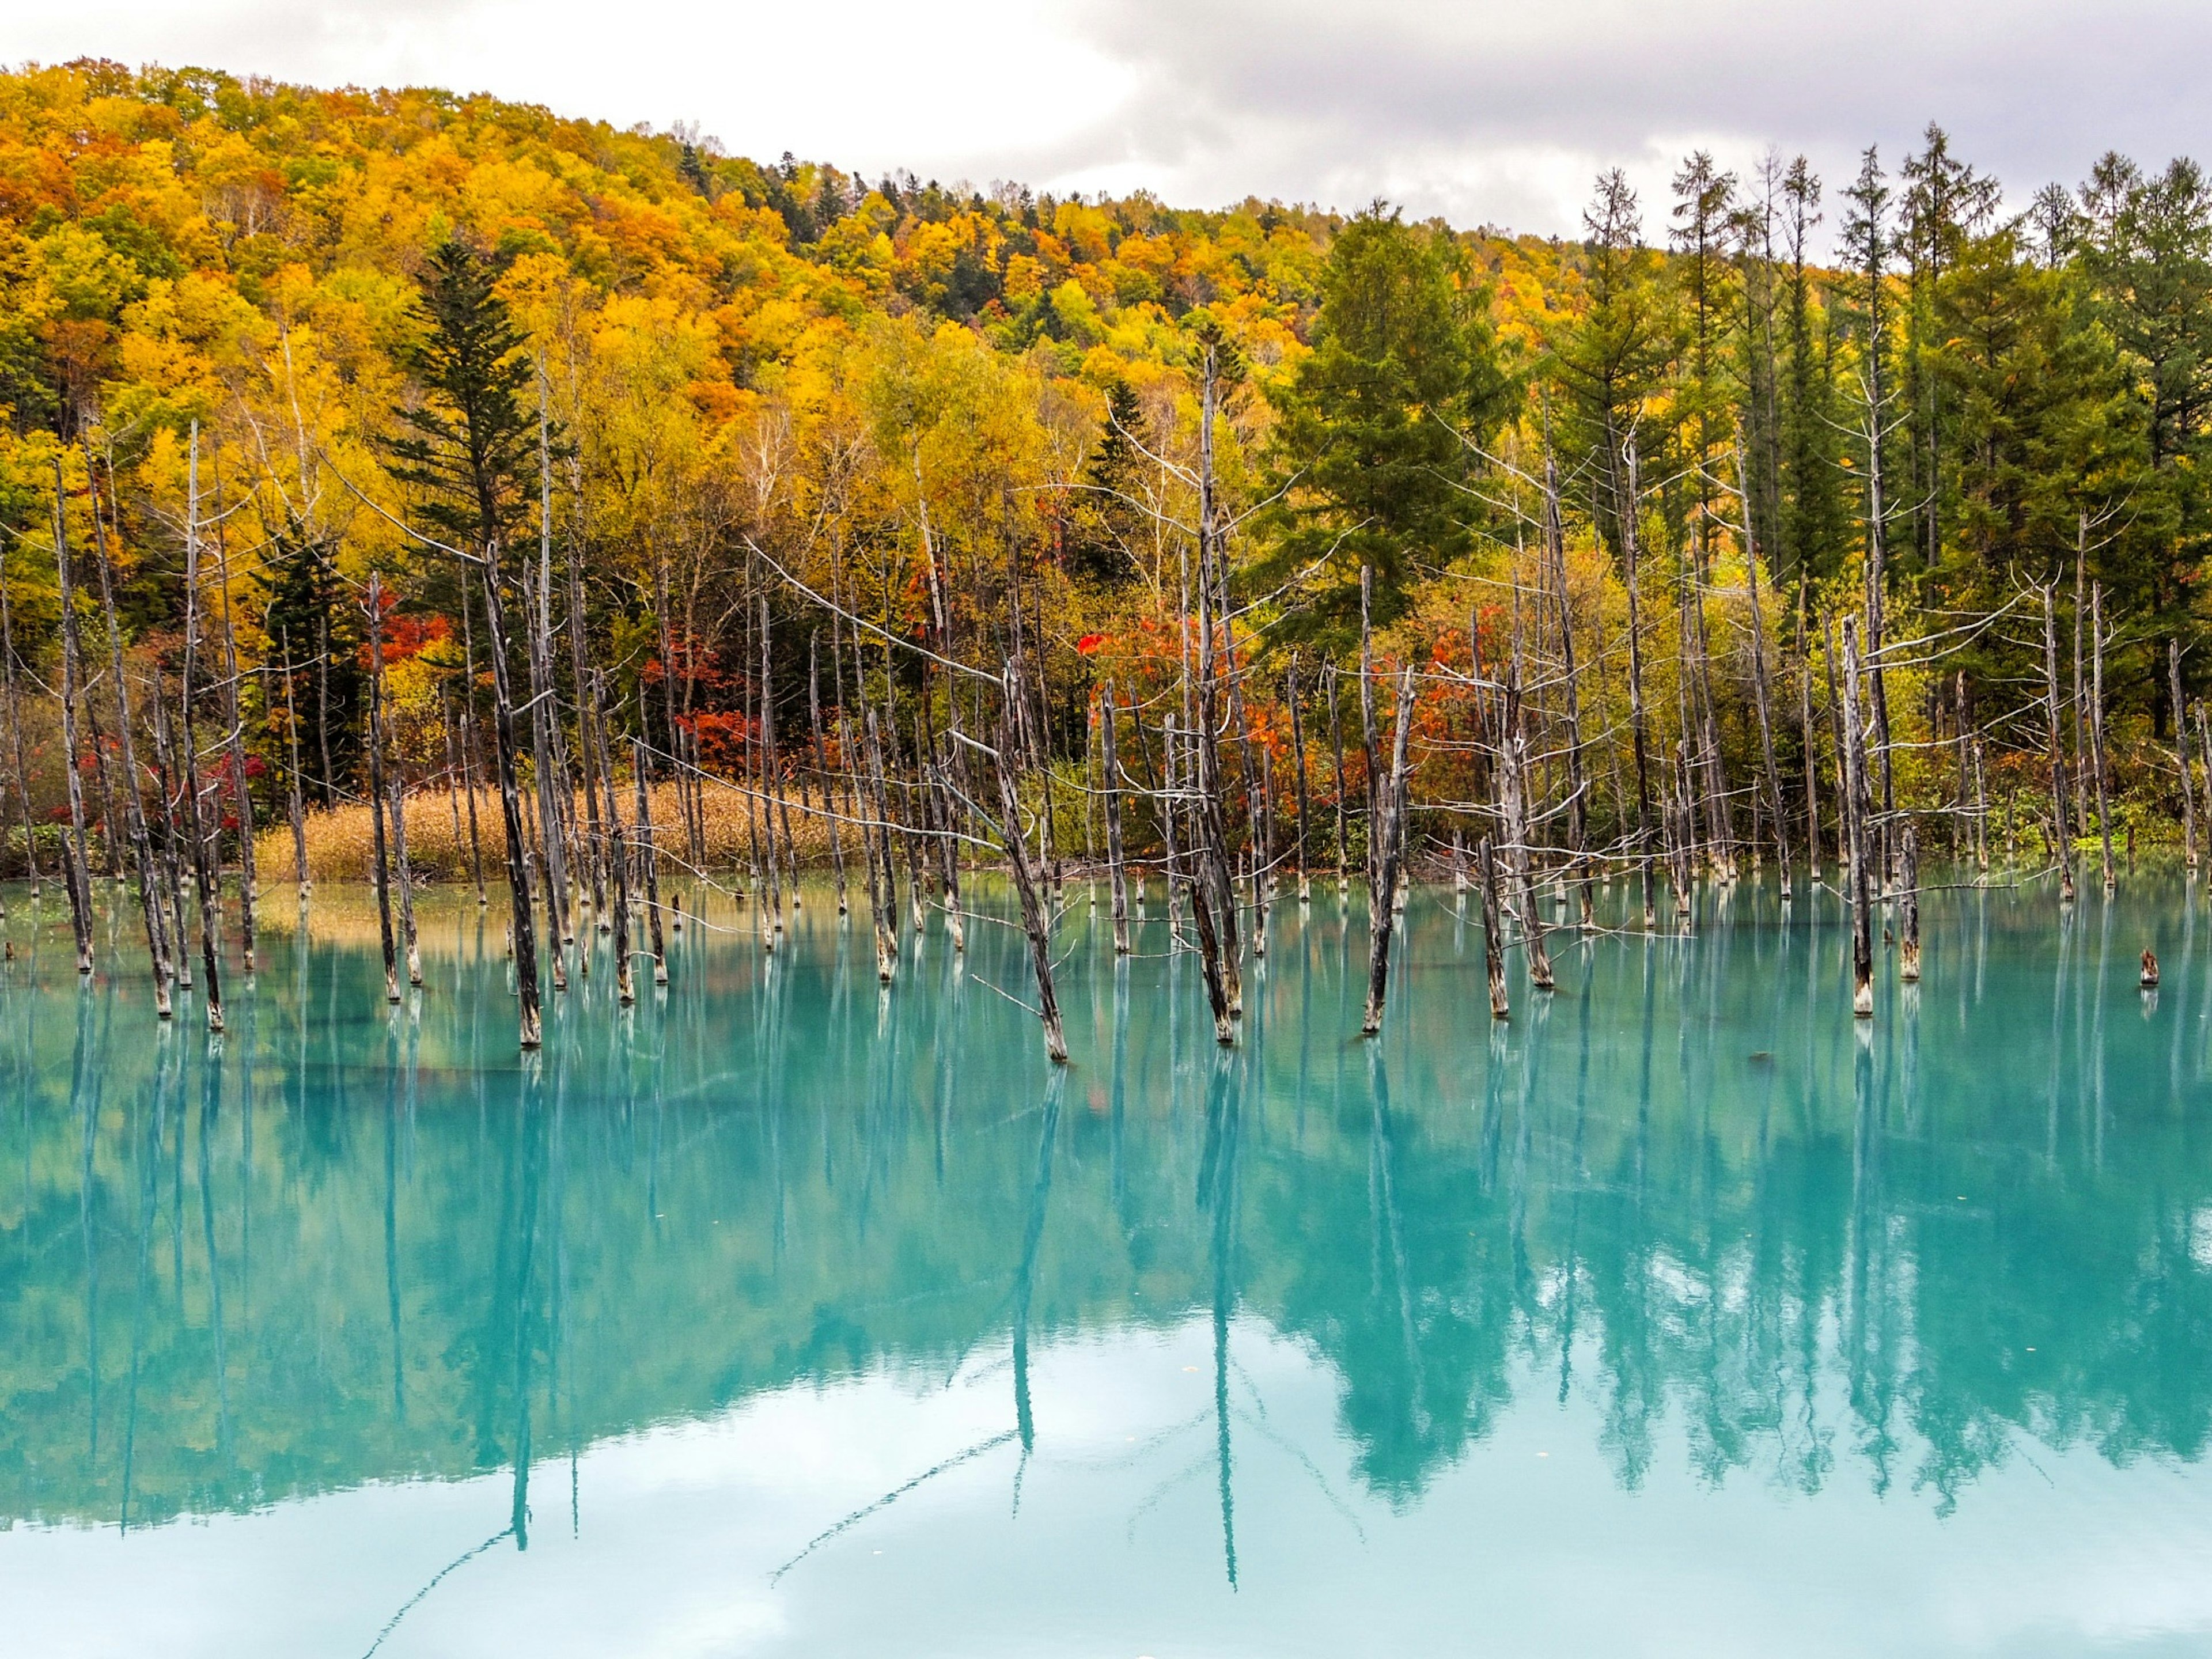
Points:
(469, 443)
(1374, 425)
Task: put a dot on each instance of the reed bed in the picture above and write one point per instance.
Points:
(341, 840)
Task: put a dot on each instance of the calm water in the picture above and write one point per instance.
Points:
(779, 1317)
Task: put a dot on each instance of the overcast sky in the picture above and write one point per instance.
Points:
(1485, 111)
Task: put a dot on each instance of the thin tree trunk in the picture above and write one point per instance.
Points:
(2064, 836)
(1637, 721)
(1035, 920)
(1390, 807)
(2097, 729)
(378, 803)
(830, 804)
(141, 850)
(531, 1033)
(1854, 816)
(204, 879)
(648, 857)
(618, 853)
(2181, 751)
(1305, 801)
(294, 804)
(75, 873)
(1493, 943)
(1115, 881)
(16, 733)
(1908, 905)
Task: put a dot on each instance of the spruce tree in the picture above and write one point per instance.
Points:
(1371, 433)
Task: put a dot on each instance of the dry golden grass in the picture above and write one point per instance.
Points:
(340, 842)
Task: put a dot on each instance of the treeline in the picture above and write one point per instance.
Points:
(369, 446)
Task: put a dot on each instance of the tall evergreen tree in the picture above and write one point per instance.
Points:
(1369, 438)
(1610, 360)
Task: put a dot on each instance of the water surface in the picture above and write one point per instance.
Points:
(781, 1315)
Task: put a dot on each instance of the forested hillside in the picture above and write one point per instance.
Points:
(293, 357)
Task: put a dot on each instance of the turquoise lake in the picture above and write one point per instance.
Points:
(781, 1315)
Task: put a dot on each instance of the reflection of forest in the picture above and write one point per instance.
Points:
(1685, 1186)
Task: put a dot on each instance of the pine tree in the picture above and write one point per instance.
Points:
(1612, 358)
(1369, 436)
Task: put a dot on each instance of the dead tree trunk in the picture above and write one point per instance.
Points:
(2097, 729)
(294, 804)
(142, 849)
(2181, 751)
(618, 842)
(378, 803)
(821, 756)
(1638, 723)
(1555, 548)
(468, 742)
(1389, 822)
(1494, 940)
(1305, 803)
(2063, 836)
(249, 877)
(1116, 882)
(75, 874)
(15, 733)
(648, 858)
(1812, 767)
(204, 879)
(883, 890)
(1908, 905)
(1037, 921)
(1855, 816)
(532, 1024)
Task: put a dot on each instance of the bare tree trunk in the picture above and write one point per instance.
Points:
(249, 878)
(1908, 905)
(1035, 920)
(468, 742)
(1305, 801)
(1493, 942)
(16, 733)
(532, 1027)
(141, 850)
(1760, 680)
(1336, 744)
(1116, 882)
(378, 803)
(2081, 700)
(1555, 548)
(405, 870)
(172, 853)
(2097, 729)
(1637, 720)
(453, 768)
(296, 806)
(829, 803)
(2181, 751)
(618, 855)
(75, 873)
(1811, 753)
(956, 923)
(649, 856)
(1854, 816)
(1390, 823)
(2204, 748)
(596, 778)
(883, 885)
(2064, 836)
(204, 879)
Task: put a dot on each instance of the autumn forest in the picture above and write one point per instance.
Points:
(412, 487)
